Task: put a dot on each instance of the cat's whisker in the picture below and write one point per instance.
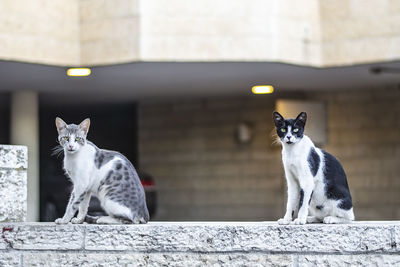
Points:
(57, 151)
(275, 138)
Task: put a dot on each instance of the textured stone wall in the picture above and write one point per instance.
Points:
(363, 132)
(202, 173)
(200, 244)
(13, 167)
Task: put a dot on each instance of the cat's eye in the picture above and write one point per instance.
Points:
(77, 139)
(283, 130)
(66, 138)
(295, 130)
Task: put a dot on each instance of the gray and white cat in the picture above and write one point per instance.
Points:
(317, 183)
(106, 174)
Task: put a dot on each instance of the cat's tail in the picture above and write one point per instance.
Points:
(146, 215)
(91, 219)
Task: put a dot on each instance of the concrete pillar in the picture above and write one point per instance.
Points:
(25, 131)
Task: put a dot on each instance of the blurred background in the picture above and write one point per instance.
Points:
(171, 88)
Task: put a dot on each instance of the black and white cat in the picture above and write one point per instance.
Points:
(317, 183)
(106, 174)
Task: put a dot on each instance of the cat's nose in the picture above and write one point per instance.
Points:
(289, 137)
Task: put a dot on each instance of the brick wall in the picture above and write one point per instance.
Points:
(364, 132)
(202, 173)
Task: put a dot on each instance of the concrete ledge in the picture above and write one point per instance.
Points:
(13, 182)
(200, 243)
(13, 157)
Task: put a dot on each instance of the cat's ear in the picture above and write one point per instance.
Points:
(60, 124)
(84, 125)
(302, 117)
(278, 119)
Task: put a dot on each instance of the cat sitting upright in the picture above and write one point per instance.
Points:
(317, 183)
(106, 174)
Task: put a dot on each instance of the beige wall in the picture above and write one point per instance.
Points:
(305, 32)
(45, 31)
(109, 31)
(201, 173)
(229, 30)
(359, 31)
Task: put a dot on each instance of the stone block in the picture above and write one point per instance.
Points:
(200, 244)
(9, 259)
(246, 237)
(349, 260)
(38, 236)
(107, 51)
(154, 259)
(106, 10)
(396, 238)
(13, 183)
(13, 195)
(13, 157)
(109, 29)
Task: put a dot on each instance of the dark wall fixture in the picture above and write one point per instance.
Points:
(384, 70)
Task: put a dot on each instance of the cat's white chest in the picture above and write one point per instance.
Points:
(79, 166)
(295, 158)
(293, 165)
(74, 167)
(70, 168)
(292, 160)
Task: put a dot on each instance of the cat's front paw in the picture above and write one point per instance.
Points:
(300, 221)
(61, 221)
(284, 221)
(77, 220)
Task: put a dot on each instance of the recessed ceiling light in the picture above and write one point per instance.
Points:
(262, 89)
(79, 72)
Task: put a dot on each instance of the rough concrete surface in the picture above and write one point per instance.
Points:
(13, 183)
(200, 244)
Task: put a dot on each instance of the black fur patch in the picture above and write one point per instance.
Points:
(82, 197)
(346, 204)
(336, 182)
(301, 198)
(91, 219)
(313, 161)
(123, 218)
(109, 177)
(118, 166)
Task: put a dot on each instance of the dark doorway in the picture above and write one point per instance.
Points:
(4, 118)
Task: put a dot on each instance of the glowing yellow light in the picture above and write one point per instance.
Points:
(79, 72)
(262, 89)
